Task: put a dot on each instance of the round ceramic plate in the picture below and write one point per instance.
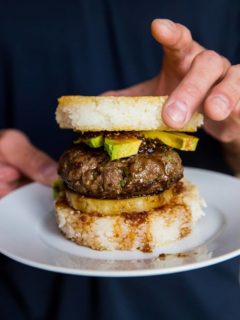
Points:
(28, 234)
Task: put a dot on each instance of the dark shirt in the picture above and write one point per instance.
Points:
(54, 48)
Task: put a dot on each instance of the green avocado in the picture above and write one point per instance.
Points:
(57, 188)
(94, 142)
(178, 140)
(118, 148)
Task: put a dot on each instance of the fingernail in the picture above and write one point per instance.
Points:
(220, 105)
(177, 111)
(49, 172)
(167, 26)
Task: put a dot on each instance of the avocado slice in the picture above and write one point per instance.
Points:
(57, 188)
(118, 148)
(178, 140)
(94, 142)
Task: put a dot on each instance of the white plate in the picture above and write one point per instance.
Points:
(28, 234)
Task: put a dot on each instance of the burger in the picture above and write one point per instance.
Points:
(122, 179)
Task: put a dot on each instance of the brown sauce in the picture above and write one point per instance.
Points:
(135, 219)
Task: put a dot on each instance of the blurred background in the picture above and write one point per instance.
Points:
(53, 48)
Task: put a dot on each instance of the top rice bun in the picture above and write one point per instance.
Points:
(108, 113)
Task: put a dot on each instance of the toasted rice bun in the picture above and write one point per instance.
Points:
(106, 113)
(145, 231)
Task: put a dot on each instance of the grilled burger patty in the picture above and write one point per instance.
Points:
(90, 172)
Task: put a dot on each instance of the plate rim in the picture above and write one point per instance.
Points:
(124, 273)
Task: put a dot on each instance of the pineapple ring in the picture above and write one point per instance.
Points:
(110, 207)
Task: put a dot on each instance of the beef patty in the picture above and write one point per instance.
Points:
(90, 172)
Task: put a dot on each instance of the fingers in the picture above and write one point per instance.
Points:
(8, 174)
(6, 188)
(207, 68)
(177, 42)
(17, 151)
(225, 96)
(145, 88)
(10, 179)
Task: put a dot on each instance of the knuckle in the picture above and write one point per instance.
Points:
(230, 84)
(17, 134)
(236, 68)
(11, 140)
(235, 74)
(226, 62)
(11, 134)
(198, 59)
(212, 58)
(187, 34)
(37, 160)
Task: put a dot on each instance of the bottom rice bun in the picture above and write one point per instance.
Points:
(143, 231)
(122, 185)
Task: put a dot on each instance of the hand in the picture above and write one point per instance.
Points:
(20, 162)
(192, 77)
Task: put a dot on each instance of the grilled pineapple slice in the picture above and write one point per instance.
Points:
(118, 206)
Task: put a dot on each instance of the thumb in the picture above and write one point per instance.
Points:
(179, 47)
(17, 151)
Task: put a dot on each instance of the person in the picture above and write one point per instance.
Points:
(88, 53)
